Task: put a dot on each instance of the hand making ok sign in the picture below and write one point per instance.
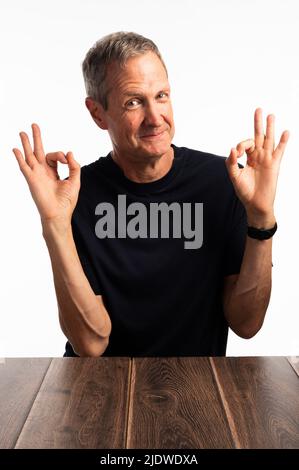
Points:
(55, 199)
(255, 184)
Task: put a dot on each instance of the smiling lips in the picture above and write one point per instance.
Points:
(152, 136)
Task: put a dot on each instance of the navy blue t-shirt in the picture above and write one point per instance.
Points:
(161, 287)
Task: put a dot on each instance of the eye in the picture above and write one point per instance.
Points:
(162, 95)
(133, 103)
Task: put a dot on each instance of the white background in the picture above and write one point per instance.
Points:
(224, 58)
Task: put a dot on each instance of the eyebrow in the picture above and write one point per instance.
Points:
(138, 93)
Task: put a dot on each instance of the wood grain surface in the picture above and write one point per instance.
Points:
(149, 403)
(174, 404)
(294, 361)
(82, 403)
(20, 380)
(261, 399)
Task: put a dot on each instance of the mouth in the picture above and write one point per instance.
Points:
(154, 136)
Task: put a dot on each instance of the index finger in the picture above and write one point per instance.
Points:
(37, 143)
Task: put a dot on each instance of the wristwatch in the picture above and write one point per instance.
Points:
(261, 233)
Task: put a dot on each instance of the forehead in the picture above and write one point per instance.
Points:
(142, 72)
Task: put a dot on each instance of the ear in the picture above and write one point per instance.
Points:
(97, 112)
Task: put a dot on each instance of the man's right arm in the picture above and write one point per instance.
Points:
(82, 315)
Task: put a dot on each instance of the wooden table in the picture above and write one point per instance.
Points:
(149, 403)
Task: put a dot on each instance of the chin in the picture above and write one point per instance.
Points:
(156, 149)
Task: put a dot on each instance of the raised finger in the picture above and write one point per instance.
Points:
(269, 141)
(37, 143)
(258, 128)
(24, 167)
(278, 152)
(29, 155)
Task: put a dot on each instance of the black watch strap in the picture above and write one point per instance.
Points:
(261, 233)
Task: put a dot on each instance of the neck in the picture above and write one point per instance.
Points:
(145, 171)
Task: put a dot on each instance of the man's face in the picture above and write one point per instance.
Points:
(139, 117)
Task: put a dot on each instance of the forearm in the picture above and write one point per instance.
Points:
(246, 300)
(83, 317)
(246, 306)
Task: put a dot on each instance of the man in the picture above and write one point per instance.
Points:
(164, 247)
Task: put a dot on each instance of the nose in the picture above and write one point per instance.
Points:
(153, 116)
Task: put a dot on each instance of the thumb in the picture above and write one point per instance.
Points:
(232, 164)
(74, 167)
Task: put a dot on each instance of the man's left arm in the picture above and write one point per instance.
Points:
(246, 295)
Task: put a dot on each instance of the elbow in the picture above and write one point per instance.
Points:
(246, 331)
(248, 334)
(92, 348)
(245, 323)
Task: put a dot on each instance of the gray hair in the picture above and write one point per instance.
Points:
(116, 47)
